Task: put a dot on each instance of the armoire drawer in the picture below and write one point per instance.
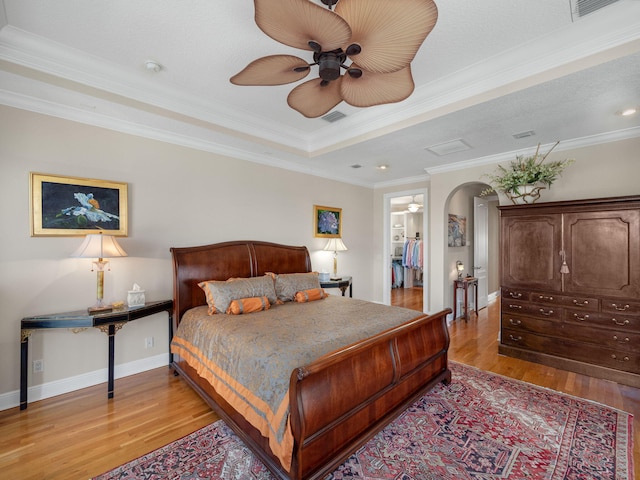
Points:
(626, 341)
(562, 347)
(615, 321)
(620, 306)
(515, 294)
(514, 307)
(589, 303)
(529, 324)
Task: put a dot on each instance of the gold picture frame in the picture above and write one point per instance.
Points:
(327, 222)
(73, 206)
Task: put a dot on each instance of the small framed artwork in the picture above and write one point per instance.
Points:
(71, 206)
(457, 230)
(327, 222)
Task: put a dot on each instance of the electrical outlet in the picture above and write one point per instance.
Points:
(38, 366)
(148, 342)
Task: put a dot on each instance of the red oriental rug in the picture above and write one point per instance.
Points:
(482, 426)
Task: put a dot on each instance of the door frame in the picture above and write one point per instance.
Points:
(481, 231)
(386, 243)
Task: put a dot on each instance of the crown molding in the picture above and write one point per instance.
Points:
(614, 32)
(572, 144)
(42, 55)
(588, 42)
(150, 126)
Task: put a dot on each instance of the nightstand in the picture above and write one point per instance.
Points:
(342, 283)
(108, 323)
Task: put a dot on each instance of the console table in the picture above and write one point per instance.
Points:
(465, 283)
(343, 283)
(108, 323)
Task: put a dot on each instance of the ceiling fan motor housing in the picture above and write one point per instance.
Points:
(329, 64)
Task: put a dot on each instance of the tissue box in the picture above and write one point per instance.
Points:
(135, 298)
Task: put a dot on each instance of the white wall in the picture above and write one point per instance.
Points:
(177, 197)
(606, 170)
(182, 197)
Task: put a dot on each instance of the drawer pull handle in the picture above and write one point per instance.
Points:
(624, 359)
(577, 303)
(544, 297)
(519, 307)
(547, 314)
(515, 295)
(626, 339)
(515, 339)
(515, 322)
(626, 322)
(621, 308)
(582, 318)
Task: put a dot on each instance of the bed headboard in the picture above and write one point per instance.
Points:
(220, 261)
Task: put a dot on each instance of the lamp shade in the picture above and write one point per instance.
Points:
(99, 246)
(335, 245)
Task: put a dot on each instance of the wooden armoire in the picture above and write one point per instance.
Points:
(570, 286)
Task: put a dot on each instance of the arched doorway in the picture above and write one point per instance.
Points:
(472, 240)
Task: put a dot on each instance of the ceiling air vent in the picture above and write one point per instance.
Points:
(529, 133)
(334, 116)
(446, 148)
(580, 8)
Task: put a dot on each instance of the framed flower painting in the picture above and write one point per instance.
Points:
(327, 222)
(71, 206)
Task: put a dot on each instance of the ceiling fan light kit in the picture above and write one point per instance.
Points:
(379, 37)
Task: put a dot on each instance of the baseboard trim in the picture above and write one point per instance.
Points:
(71, 384)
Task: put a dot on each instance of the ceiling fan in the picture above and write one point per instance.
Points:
(380, 38)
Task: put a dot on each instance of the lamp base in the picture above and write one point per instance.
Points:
(97, 309)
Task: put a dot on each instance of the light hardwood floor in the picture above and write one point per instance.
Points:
(82, 434)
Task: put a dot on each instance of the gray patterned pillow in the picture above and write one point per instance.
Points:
(221, 293)
(288, 284)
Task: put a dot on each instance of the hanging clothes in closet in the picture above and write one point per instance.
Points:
(397, 274)
(413, 259)
(412, 254)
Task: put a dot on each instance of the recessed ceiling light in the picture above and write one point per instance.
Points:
(356, 165)
(383, 167)
(152, 66)
(629, 111)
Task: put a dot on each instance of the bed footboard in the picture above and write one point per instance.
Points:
(343, 399)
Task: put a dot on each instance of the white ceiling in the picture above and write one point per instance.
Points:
(487, 71)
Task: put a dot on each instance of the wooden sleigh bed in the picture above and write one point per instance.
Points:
(337, 402)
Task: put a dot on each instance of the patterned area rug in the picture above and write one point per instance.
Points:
(482, 426)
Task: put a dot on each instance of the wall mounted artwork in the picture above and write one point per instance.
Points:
(327, 222)
(457, 230)
(72, 206)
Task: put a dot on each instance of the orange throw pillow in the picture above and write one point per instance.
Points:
(310, 295)
(248, 305)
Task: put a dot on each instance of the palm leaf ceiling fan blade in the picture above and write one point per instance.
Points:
(272, 70)
(389, 32)
(313, 99)
(377, 88)
(297, 22)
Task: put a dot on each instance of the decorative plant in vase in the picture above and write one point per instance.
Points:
(523, 179)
